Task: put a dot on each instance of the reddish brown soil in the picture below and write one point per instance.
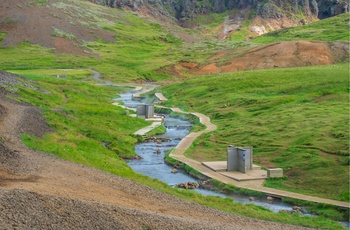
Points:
(189, 65)
(276, 55)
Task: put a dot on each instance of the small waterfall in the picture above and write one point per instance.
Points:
(226, 24)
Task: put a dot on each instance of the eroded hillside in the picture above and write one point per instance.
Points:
(188, 13)
(274, 55)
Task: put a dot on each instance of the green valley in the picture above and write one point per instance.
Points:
(295, 117)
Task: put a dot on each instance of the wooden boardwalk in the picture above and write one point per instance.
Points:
(145, 130)
(160, 97)
(256, 185)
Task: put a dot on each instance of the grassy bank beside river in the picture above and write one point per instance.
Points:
(82, 116)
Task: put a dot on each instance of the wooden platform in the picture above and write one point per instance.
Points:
(221, 166)
(160, 97)
(148, 128)
(216, 166)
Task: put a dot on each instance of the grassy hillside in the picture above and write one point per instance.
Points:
(141, 46)
(138, 47)
(330, 29)
(296, 119)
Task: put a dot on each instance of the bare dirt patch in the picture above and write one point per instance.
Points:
(275, 55)
(189, 65)
(276, 24)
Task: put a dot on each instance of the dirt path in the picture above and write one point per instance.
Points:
(179, 151)
(40, 191)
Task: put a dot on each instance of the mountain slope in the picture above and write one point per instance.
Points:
(323, 42)
(124, 47)
(183, 11)
(119, 44)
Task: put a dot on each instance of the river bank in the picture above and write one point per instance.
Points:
(185, 143)
(152, 155)
(40, 191)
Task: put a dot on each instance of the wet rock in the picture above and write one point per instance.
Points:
(157, 140)
(174, 171)
(188, 185)
(157, 151)
(137, 157)
(207, 184)
(252, 198)
(105, 144)
(295, 209)
(287, 211)
(177, 166)
(299, 209)
(270, 199)
(303, 210)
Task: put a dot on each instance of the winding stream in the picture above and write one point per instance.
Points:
(152, 163)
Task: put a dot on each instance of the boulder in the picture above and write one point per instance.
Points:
(188, 185)
(252, 198)
(270, 199)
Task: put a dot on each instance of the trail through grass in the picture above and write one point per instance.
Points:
(296, 119)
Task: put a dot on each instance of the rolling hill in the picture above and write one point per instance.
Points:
(284, 92)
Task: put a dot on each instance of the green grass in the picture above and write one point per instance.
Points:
(28, 57)
(249, 108)
(71, 74)
(82, 117)
(2, 36)
(80, 112)
(296, 119)
(328, 211)
(330, 29)
(244, 31)
(33, 3)
(206, 23)
(140, 48)
(156, 131)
